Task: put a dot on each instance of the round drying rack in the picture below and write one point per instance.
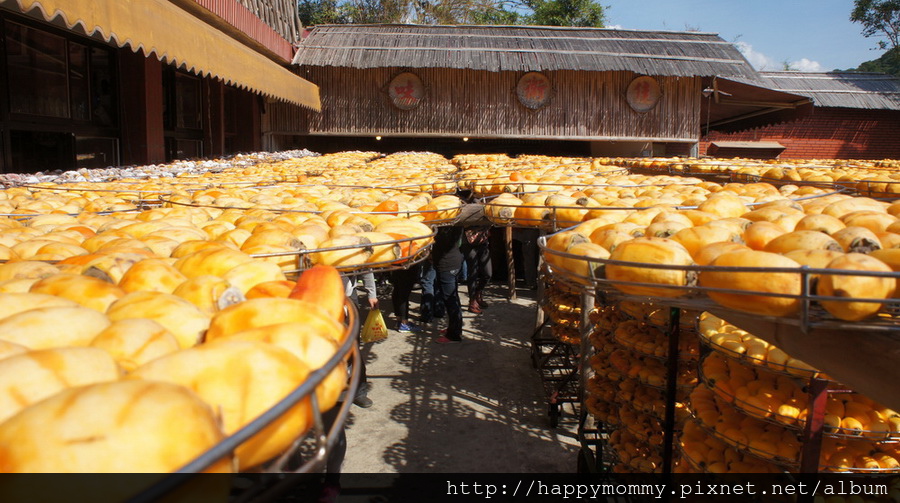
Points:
(454, 213)
(308, 453)
(303, 258)
(550, 214)
(477, 184)
(810, 315)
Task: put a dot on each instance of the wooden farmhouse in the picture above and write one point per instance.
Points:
(516, 89)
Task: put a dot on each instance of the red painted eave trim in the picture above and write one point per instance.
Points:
(238, 16)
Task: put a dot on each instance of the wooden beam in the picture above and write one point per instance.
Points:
(744, 116)
(510, 264)
(769, 104)
(479, 136)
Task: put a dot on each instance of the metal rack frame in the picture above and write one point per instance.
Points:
(557, 362)
(322, 440)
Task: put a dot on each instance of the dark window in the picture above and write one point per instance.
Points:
(182, 114)
(96, 152)
(230, 106)
(38, 78)
(58, 99)
(187, 102)
(181, 148)
(231, 99)
(103, 89)
(79, 82)
(188, 149)
(34, 151)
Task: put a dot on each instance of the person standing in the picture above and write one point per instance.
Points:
(477, 255)
(403, 281)
(447, 259)
(430, 307)
(362, 392)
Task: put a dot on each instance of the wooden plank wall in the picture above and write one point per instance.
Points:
(279, 117)
(483, 104)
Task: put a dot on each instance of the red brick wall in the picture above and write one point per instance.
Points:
(829, 133)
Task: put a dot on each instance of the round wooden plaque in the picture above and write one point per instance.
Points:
(533, 90)
(643, 94)
(406, 91)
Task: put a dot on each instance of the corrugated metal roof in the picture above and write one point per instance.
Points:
(522, 48)
(839, 89)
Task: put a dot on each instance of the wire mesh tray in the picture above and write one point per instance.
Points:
(557, 217)
(798, 423)
(309, 452)
(695, 465)
(608, 415)
(434, 187)
(698, 466)
(303, 260)
(810, 314)
(652, 435)
(746, 408)
(661, 343)
(756, 363)
(615, 373)
(488, 187)
(647, 459)
(428, 217)
(655, 406)
(26, 216)
(878, 189)
(756, 452)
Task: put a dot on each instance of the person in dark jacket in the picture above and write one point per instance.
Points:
(477, 256)
(447, 260)
(403, 281)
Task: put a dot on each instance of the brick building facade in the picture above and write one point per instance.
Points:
(867, 126)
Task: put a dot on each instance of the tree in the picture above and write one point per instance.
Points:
(889, 63)
(879, 18)
(314, 12)
(566, 13)
(374, 11)
(496, 12)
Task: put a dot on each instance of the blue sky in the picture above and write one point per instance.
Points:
(813, 35)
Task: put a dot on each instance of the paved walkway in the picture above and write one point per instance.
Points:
(475, 407)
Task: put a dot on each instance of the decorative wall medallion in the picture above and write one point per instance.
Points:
(406, 91)
(533, 90)
(643, 94)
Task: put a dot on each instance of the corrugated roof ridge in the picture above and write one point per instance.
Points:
(800, 75)
(518, 26)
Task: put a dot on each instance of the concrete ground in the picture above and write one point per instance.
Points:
(475, 407)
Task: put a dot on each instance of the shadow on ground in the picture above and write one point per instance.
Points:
(474, 407)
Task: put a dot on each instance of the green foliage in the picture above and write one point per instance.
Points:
(373, 11)
(314, 12)
(566, 13)
(879, 18)
(489, 12)
(889, 63)
(499, 16)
